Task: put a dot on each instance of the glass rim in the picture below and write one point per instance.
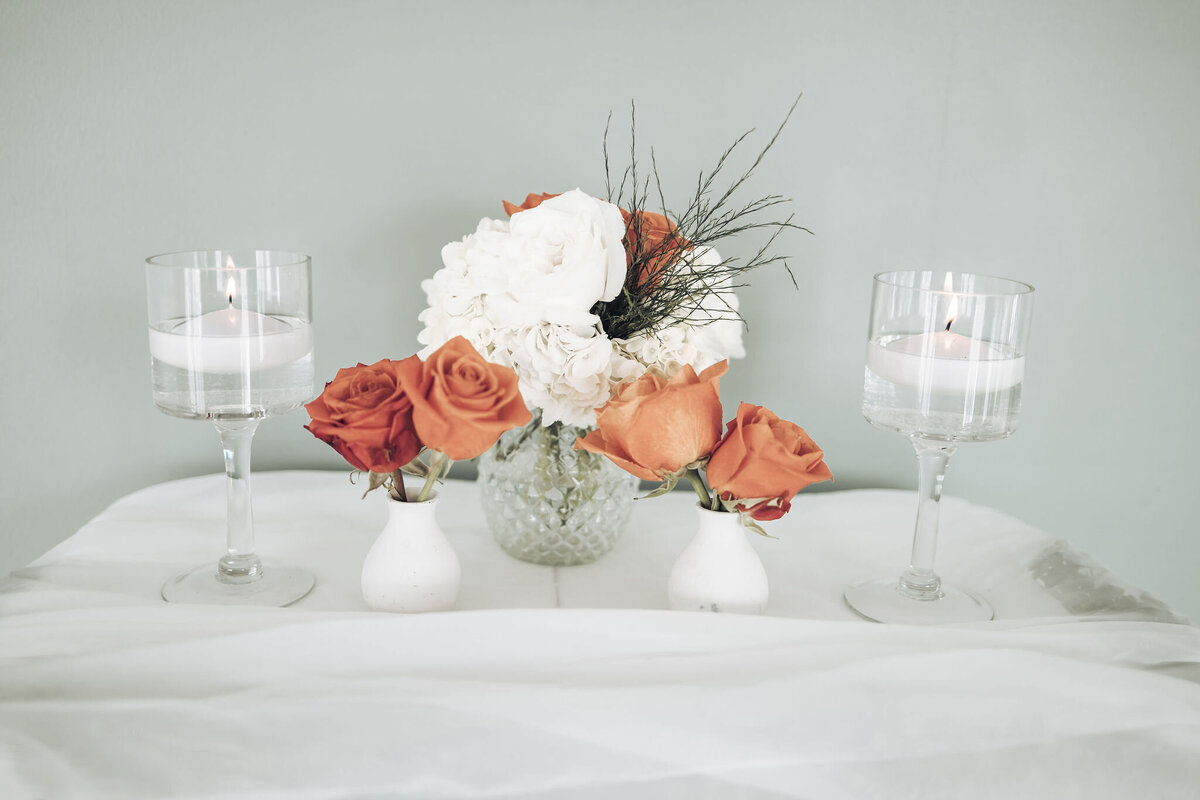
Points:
(889, 278)
(291, 258)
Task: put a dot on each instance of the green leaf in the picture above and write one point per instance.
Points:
(416, 468)
(730, 504)
(667, 485)
(377, 479)
(750, 523)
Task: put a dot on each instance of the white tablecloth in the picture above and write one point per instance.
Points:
(551, 682)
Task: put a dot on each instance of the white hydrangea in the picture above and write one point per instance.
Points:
(521, 292)
(564, 372)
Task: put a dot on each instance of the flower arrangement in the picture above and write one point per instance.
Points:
(381, 417)
(579, 294)
(662, 429)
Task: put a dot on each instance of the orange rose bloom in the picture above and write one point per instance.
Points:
(531, 201)
(364, 414)
(461, 403)
(765, 460)
(654, 426)
(651, 239)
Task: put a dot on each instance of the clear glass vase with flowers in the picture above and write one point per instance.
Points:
(578, 294)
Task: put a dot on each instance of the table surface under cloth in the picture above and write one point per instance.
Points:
(575, 682)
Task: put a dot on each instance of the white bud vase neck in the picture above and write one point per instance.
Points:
(719, 570)
(411, 567)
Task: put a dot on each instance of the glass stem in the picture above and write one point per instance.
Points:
(919, 581)
(239, 564)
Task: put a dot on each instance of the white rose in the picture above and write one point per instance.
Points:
(548, 264)
(561, 258)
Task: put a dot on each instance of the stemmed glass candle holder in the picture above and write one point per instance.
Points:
(945, 363)
(231, 341)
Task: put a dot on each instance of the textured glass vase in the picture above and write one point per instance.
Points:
(547, 502)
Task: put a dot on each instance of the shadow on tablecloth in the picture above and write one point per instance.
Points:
(1088, 589)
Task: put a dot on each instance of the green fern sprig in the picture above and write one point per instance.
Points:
(682, 287)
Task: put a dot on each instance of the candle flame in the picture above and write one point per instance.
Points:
(952, 309)
(231, 284)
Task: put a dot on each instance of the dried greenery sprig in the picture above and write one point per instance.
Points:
(665, 285)
(393, 482)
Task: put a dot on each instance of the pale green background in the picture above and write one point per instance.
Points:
(1053, 142)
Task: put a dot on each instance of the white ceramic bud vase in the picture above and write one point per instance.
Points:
(718, 570)
(411, 567)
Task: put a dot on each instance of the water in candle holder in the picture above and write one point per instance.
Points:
(953, 400)
(206, 377)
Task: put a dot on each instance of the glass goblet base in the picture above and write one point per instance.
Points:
(276, 585)
(883, 601)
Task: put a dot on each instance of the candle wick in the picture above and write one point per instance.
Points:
(948, 324)
(231, 306)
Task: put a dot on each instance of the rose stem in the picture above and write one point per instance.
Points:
(440, 461)
(693, 476)
(398, 490)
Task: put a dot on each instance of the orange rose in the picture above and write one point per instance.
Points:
(655, 427)
(366, 416)
(461, 403)
(764, 460)
(531, 201)
(652, 243)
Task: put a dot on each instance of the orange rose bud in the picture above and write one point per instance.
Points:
(531, 201)
(364, 414)
(654, 426)
(462, 403)
(766, 460)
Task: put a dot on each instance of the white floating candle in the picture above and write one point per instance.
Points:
(231, 340)
(946, 363)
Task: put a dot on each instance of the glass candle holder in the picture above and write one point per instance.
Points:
(945, 364)
(231, 341)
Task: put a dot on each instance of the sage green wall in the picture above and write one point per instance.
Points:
(1054, 142)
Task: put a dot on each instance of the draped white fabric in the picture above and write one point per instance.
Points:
(105, 691)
